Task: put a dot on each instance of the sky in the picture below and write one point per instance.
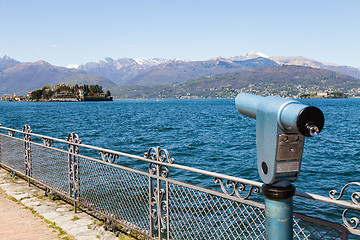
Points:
(76, 32)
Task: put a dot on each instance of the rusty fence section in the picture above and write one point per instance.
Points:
(150, 200)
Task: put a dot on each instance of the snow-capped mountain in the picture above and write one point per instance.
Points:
(6, 62)
(74, 66)
(144, 71)
(21, 77)
(121, 62)
(120, 70)
(155, 71)
(250, 55)
(307, 62)
(147, 62)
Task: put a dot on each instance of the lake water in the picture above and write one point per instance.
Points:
(206, 134)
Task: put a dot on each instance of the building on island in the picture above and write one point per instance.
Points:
(321, 94)
(14, 97)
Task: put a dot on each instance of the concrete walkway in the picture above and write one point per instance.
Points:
(29, 214)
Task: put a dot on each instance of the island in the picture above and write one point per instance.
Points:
(68, 93)
(324, 95)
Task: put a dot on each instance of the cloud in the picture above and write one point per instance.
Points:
(53, 45)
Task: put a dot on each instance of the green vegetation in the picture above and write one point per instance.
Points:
(283, 81)
(66, 92)
(75, 218)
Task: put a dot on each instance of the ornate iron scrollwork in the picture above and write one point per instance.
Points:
(27, 132)
(354, 222)
(232, 188)
(73, 165)
(354, 196)
(108, 157)
(159, 155)
(73, 138)
(158, 195)
(27, 151)
(47, 142)
(11, 133)
(158, 201)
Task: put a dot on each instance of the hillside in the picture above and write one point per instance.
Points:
(286, 81)
(120, 70)
(157, 71)
(181, 71)
(307, 62)
(130, 72)
(19, 78)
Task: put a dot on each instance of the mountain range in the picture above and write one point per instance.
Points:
(129, 71)
(18, 77)
(280, 80)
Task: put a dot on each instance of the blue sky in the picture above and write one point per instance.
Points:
(75, 32)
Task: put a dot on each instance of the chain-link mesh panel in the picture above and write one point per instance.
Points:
(12, 153)
(309, 230)
(198, 215)
(50, 167)
(120, 194)
(124, 195)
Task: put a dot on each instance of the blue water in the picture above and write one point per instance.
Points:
(206, 134)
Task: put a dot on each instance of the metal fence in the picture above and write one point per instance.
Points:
(146, 199)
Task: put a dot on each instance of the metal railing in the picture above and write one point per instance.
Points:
(148, 199)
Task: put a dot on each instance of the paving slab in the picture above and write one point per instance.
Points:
(18, 223)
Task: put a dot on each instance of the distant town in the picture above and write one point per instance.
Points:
(63, 93)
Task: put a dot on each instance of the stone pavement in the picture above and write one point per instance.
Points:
(17, 223)
(44, 215)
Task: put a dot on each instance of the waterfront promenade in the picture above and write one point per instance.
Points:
(19, 223)
(26, 213)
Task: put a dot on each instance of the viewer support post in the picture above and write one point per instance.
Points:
(281, 127)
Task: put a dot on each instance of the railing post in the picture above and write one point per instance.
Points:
(151, 218)
(73, 167)
(27, 152)
(0, 149)
(158, 196)
(278, 211)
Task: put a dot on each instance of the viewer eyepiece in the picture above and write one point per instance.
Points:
(310, 121)
(313, 130)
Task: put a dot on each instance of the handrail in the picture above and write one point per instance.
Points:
(320, 198)
(334, 201)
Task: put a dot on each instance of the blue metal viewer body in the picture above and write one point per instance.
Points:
(281, 125)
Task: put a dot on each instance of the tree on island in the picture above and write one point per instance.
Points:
(36, 95)
(86, 90)
(46, 86)
(96, 89)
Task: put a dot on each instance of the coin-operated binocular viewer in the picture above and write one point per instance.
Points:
(281, 128)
